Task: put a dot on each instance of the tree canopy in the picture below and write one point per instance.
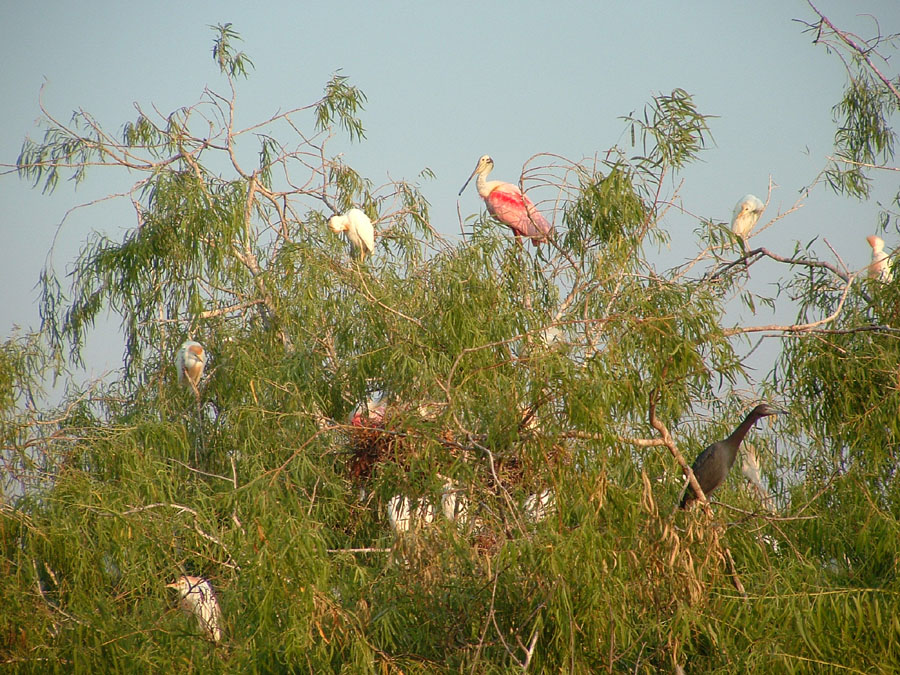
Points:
(579, 374)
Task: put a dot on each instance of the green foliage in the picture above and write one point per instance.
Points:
(341, 103)
(511, 370)
(229, 61)
(864, 137)
(672, 130)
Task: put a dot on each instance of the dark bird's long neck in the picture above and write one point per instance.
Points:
(734, 441)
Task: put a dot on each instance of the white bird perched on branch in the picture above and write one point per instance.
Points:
(190, 359)
(358, 228)
(454, 503)
(403, 517)
(540, 505)
(880, 267)
(199, 599)
(750, 470)
(746, 212)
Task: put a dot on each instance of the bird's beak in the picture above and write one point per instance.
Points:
(172, 585)
(468, 180)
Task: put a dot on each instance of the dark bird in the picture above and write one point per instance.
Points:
(712, 465)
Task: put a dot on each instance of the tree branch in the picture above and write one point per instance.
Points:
(863, 53)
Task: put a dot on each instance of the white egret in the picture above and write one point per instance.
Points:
(454, 503)
(880, 267)
(750, 471)
(403, 517)
(539, 505)
(190, 360)
(358, 229)
(199, 599)
(746, 212)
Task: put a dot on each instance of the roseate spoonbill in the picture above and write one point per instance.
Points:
(358, 228)
(746, 212)
(509, 205)
(539, 505)
(880, 267)
(199, 599)
(712, 465)
(190, 359)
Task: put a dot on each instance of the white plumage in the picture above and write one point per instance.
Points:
(750, 467)
(454, 503)
(358, 228)
(750, 471)
(540, 505)
(880, 267)
(403, 517)
(190, 359)
(398, 513)
(199, 599)
(746, 212)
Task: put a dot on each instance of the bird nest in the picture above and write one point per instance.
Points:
(386, 438)
(389, 437)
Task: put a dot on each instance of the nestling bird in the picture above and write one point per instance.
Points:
(880, 267)
(358, 228)
(509, 205)
(371, 412)
(712, 465)
(539, 505)
(199, 599)
(190, 359)
(403, 517)
(746, 212)
(454, 503)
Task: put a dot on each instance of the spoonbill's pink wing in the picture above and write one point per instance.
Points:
(508, 205)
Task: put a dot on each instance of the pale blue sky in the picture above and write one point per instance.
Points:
(446, 83)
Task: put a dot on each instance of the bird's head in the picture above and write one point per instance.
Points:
(483, 168)
(185, 584)
(196, 350)
(752, 204)
(337, 223)
(876, 242)
(765, 409)
(181, 584)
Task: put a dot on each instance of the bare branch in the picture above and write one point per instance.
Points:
(863, 53)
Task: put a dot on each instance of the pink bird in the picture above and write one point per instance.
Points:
(508, 204)
(371, 413)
